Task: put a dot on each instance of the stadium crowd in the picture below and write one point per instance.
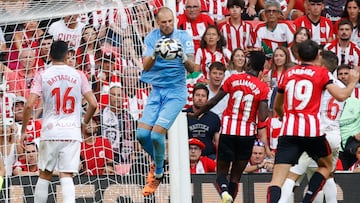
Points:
(107, 45)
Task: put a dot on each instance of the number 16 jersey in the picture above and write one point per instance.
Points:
(61, 88)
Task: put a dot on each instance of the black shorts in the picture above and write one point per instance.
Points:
(290, 148)
(235, 148)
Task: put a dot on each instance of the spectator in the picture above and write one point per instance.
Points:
(287, 9)
(135, 92)
(236, 63)
(206, 128)
(199, 164)
(43, 59)
(321, 28)
(258, 162)
(130, 58)
(211, 49)
(351, 12)
(180, 6)
(343, 73)
(216, 78)
(29, 164)
(118, 126)
(301, 34)
(346, 50)
(27, 36)
(85, 54)
(250, 12)
(68, 30)
(194, 22)
(333, 9)
(8, 137)
(356, 166)
(96, 153)
(216, 9)
(143, 20)
(273, 33)
(237, 32)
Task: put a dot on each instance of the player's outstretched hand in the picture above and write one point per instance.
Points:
(181, 52)
(157, 47)
(353, 76)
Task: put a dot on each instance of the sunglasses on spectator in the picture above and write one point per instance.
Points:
(259, 143)
(271, 11)
(191, 7)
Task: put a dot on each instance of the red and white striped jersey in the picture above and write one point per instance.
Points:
(237, 37)
(61, 87)
(196, 28)
(350, 56)
(205, 58)
(245, 94)
(320, 32)
(273, 127)
(356, 92)
(303, 86)
(269, 40)
(217, 9)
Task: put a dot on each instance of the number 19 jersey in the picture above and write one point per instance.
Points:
(303, 86)
(246, 92)
(61, 88)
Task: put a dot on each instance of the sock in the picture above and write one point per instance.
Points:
(158, 141)
(41, 191)
(330, 191)
(222, 184)
(67, 189)
(315, 185)
(287, 190)
(273, 194)
(233, 189)
(144, 137)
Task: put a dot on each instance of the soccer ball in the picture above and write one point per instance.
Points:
(169, 49)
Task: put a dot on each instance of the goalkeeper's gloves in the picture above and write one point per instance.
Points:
(157, 47)
(181, 52)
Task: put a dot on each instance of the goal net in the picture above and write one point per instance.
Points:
(105, 39)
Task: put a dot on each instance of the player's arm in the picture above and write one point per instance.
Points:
(211, 103)
(27, 115)
(92, 105)
(341, 94)
(279, 104)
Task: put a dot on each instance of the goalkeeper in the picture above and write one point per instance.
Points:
(168, 95)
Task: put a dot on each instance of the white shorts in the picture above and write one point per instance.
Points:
(305, 161)
(64, 156)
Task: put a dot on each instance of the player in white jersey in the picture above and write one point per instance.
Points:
(330, 111)
(61, 88)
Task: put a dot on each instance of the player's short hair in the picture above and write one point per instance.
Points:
(308, 50)
(218, 66)
(58, 50)
(256, 60)
(201, 86)
(329, 60)
(240, 3)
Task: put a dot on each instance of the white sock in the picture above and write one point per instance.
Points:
(41, 191)
(330, 191)
(319, 197)
(67, 189)
(286, 190)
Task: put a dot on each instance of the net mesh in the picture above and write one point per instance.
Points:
(105, 40)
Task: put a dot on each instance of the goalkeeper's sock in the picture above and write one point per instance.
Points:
(67, 189)
(144, 137)
(158, 141)
(41, 191)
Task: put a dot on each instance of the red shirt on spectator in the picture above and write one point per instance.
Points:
(23, 165)
(204, 165)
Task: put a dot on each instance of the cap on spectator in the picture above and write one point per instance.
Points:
(194, 141)
(20, 99)
(240, 3)
(317, 1)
